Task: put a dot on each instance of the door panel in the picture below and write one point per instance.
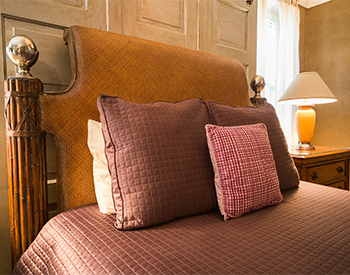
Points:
(91, 13)
(169, 21)
(228, 28)
(232, 27)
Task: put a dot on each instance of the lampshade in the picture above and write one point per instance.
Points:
(307, 89)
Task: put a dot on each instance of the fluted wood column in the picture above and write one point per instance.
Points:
(26, 158)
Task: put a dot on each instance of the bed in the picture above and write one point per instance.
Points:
(166, 114)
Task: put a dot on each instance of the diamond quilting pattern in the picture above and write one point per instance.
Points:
(158, 159)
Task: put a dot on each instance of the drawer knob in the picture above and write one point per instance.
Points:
(314, 175)
(340, 169)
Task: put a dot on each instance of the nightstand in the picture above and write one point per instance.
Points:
(324, 165)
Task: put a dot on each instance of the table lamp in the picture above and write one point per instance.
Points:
(306, 90)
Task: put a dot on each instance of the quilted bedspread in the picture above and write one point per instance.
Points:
(309, 232)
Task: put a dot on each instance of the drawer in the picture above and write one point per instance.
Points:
(326, 172)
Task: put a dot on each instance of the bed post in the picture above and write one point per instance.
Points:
(26, 152)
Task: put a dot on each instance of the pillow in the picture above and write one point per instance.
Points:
(245, 172)
(158, 159)
(223, 115)
(102, 179)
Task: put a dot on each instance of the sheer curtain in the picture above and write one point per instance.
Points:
(278, 54)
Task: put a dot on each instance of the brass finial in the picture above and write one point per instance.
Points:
(257, 84)
(22, 52)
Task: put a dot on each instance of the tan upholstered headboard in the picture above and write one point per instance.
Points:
(136, 70)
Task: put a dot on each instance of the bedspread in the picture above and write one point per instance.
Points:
(309, 232)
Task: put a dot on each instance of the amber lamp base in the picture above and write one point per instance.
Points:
(305, 120)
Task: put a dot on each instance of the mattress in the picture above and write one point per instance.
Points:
(309, 232)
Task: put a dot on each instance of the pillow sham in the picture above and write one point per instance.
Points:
(158, 159)
(245, 172)
(102, 179)
(224, 115)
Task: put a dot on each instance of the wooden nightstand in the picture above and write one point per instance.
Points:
(325, 165)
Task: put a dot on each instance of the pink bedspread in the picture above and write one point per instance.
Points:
(309, 232)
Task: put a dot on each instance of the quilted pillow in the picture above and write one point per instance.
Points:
(102, 179)
(158, 159)
(224, 115)
(245, 171)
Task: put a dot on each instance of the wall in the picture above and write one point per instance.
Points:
(225, 27)
(324, 48)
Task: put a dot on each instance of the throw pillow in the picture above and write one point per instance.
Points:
(102, 179)
(158, 159)
(245, 171)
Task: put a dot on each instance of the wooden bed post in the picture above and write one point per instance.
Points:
(26, 152)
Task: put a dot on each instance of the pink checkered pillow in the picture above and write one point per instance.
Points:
(245, 173)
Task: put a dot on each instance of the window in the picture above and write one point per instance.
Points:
(278, 55)
(271, 33)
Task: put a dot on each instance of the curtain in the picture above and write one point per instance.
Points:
(262, 42)
(285, 58)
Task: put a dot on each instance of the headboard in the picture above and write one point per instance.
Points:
(136, 70)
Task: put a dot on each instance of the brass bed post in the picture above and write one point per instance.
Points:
(26, 155)
(257, 84)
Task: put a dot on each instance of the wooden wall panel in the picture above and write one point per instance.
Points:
(169, 21)
(171, 15)
(232, 26)
(228, 27)
(81, 4)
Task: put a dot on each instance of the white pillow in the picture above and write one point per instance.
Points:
(102, 178)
